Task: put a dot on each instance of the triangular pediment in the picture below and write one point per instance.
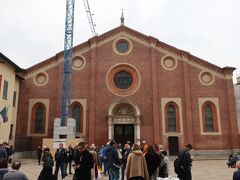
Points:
(124, 31)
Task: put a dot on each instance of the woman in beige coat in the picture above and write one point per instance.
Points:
(136, 168)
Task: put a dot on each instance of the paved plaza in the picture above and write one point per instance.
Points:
(201, 170)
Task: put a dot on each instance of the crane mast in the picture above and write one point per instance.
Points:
(67, 64)
(89, 16)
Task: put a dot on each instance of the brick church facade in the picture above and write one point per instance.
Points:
(131, 87)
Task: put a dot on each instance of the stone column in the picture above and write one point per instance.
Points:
(138, 131)
(110, 129)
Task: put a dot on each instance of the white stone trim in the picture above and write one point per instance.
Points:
(124, 64)
(164, 102)
(204, 83)
(215, 101)
(78, 51)
(169, 68)
(82, 66)
(32, 102)
(83, 102)
(119, 39)
(35, 79)
(112, 121)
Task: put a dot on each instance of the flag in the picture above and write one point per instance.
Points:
(4, 114)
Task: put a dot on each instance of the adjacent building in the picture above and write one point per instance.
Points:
(10, 80)
(237, 96)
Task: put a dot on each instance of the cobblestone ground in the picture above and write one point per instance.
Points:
(201, 170)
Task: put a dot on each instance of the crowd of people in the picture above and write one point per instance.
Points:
(86, 162)
(6, 154)
(148, 161)
(232, 160)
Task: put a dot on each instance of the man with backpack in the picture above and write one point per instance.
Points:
(182, 165)
(113, 161)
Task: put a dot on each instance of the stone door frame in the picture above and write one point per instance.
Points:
(135, 119)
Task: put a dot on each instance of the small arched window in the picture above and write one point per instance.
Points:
(38, 118)
(209, 117)
(39, 115)
(172, 117)
(76, 115)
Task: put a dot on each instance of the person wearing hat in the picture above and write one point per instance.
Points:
(236, 174)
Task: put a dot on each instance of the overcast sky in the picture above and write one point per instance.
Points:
(33, 30)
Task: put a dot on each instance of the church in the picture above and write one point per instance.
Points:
(132, 87)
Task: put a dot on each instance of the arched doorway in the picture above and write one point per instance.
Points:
(124, 122)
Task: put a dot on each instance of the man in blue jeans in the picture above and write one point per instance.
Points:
(113, 161)
(60, 157)
(105, 164)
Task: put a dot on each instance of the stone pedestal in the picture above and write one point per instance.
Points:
(68, 131)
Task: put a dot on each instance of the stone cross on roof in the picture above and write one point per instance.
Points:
(122, 18)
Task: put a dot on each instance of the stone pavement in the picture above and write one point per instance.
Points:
(211, 169)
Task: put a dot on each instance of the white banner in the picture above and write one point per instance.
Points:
(56, 143)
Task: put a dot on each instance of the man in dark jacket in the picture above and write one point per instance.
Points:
(186, 161)
(113, 161)
(84, 162)
(153, 161)
(39, 154)
(60, 157)
(125, 152)
(70, 154)
(3, 152)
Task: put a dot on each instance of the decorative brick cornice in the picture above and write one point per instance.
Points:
(149, 41)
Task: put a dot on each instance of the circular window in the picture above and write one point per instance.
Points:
(206, 78)
(169, 63)
(123, 80)
(40, 79)
(122, 46)
(78, 63)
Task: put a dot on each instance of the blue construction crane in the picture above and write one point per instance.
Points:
(67, 66)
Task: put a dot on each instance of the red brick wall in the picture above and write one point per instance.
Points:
(90, 84)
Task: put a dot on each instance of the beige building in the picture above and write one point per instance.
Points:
(10, 80)
(237, 97)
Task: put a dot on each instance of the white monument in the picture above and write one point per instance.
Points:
(64, 132)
